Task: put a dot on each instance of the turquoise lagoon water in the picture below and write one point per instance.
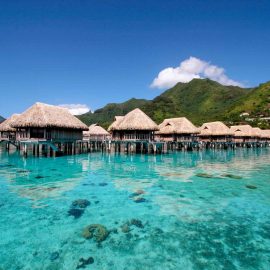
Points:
(205, 210)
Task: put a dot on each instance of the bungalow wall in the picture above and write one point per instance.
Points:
(48, 134)
(244, 139)
(96, 137)
(7, 135)
(265, 140)
(177, 137)
(215, 138)
(136, 135)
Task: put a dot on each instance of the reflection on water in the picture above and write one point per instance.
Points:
(176, 211)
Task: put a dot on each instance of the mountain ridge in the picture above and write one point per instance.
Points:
(2, 119)
(200, 100)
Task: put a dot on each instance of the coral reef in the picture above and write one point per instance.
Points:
(136, 193)
(251, 187)
(233, 176)
(83, 262)
(102, 184)
(76, 213)
(96, 231)
(133, 222)
(125, 228)
(139, 200)
(137, 223)
(39, 176)
(81, 203)
(54, 256)
(204, 175)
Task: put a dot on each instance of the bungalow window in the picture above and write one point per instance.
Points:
(37, 133)
(4, 135)
(23, 133)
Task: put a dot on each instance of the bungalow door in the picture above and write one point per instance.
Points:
(48, 134)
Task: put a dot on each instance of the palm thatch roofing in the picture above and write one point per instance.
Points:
(180, 125)
(265, 133)
(96, 130)
(243, 131)
(215, 129)
(257, 132)
(6, 125)
(134, 120)
(42, 115)
(115, 124)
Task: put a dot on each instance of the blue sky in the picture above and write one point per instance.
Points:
(95, 52)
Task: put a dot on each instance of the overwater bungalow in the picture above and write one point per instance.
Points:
(265, 135)
(48, 130)
(177, 130)
(134, 126)
(244, 134)
(96, 133)
(215, 132)
(257, 133)
(47, 122)
(7, 132)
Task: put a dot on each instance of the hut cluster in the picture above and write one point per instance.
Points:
(136, 132)
(51, 130)
(43, 130)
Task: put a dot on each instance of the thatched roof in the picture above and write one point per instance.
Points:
(214, 129)
(243, 131)
(134, 120)
(95, 129)
(179, 125)
(257, 131)
(115, 124)
(6, 125)
(42, 115)
(265, 133)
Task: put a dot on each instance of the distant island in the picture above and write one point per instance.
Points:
(2, 119)
(200, 100)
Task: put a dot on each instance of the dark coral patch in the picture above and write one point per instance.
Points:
(39, 177)
(251, 187)
(54, 256)
(23, 171)
(136, 193)
(137, 223)
(204, 175)
(76, 213)
(232, 176)
(83, 262)
(80, 203)
(140, 200)
(103, 184)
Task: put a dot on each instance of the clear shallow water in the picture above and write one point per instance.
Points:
(189, 221)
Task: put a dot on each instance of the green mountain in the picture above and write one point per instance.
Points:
(2, 119)
(200, 100)
(256, 104)
(105, 115)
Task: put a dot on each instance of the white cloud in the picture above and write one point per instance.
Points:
(189, 69)
(76, 109)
